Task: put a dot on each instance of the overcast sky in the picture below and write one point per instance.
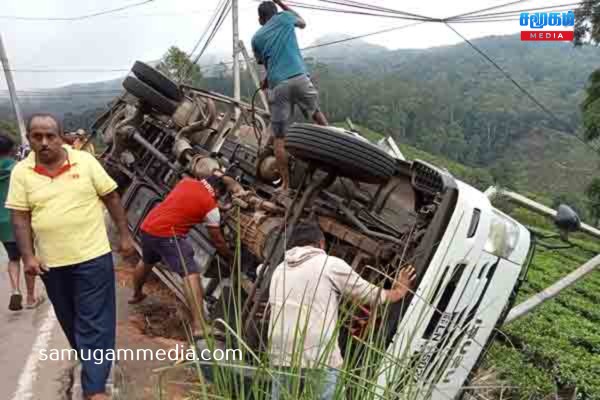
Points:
(144, 33)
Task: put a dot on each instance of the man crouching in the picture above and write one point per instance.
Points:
(304, 297)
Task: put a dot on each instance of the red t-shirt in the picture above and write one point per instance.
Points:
(188, 204)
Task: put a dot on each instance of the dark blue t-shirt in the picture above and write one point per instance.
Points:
(276, 46)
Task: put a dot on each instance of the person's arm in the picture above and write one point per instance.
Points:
(212, 221)
(112, 201)
(217, 239)
(300, 22)
(402, 285)
(349, 283)
(21, 221)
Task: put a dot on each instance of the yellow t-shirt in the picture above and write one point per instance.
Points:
(66, 211)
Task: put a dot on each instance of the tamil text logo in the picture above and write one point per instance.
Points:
(560, 24)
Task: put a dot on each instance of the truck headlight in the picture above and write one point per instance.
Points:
(503, 236)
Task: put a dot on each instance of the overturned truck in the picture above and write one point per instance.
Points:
(378, 212)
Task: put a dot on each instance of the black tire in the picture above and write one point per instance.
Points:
(149, 96)
(157, 80)
(108, 133)
(335, 150)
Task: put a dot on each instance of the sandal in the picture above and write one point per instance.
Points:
(137, 299)
(38, 302)
(16, 302)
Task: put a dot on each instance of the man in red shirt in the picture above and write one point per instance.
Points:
(164, 234)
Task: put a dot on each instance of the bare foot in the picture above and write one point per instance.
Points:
(137, 298)
(35, 302)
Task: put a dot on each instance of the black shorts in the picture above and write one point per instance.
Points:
(12, 250)
(155, 249)
(297, 91)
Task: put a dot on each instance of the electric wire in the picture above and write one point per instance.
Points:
(343, 11)
(365, 6)
(513, 12)
(78, 18)
(216, 22)
(208, 25)
(224, 13)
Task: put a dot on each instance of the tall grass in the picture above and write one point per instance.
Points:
(366, 358)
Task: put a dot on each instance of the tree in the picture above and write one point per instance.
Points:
(593, 194)
(591, 108)
(10, 129)
(587, 23)
(587, 30)
(176, 64)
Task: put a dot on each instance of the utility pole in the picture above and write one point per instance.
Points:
(236, 51)
(13, 91)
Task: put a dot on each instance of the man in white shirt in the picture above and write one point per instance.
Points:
(304, 297)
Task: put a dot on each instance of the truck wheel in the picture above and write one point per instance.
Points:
(335, 150)
(146, 94)
(108, 133)
(157, 80)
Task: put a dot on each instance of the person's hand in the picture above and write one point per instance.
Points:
(127, 247)
(33, 266)
(403, 284)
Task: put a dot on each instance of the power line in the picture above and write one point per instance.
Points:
(356, 4)
(208, 25)
(343, 11)
(397, 28)
(55, 91)
(225, 9)
(224, 13)
(485, 9)
(513, 12)
(501, 18)
(74, 70)
(564, 124)
(86, 16)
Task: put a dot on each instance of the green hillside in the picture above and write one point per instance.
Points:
(478, 177)
(555, 163)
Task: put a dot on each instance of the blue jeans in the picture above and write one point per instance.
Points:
(83, 296)
(316, 383)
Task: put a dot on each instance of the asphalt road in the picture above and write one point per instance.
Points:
(21, 374)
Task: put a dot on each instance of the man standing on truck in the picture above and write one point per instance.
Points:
(304, 299)
(276, 47)
(164, 237)
(56, 196)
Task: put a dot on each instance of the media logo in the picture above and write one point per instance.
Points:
(561, 26)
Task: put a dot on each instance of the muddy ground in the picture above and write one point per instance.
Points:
(157, 323)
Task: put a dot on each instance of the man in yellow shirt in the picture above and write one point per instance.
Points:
(56, 196)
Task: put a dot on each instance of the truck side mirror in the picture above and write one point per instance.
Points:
(566, 219)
